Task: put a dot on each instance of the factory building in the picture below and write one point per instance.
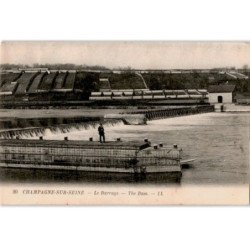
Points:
(38, 85)
(29, 82)
(146, 94)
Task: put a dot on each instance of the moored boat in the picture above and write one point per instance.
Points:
(112, 158)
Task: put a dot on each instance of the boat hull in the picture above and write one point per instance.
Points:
(41, 172)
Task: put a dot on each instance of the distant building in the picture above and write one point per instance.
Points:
(221, 93)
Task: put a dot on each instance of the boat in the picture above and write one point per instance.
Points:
(137, 159)
(186, 163)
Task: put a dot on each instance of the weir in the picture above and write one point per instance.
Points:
(174, 112)
(21, 127)
(128, 119)
(26, 130)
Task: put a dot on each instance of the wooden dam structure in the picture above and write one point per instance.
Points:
(156, 114)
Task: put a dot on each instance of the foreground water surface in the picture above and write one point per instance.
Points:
(219, 142)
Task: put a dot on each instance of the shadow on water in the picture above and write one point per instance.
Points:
(74, 177)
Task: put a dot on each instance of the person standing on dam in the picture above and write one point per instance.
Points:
(101, 133)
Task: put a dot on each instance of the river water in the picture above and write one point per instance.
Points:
(219, 142)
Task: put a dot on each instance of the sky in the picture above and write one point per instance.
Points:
(139, 55)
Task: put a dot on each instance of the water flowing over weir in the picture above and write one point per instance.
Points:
(33, 127)
(24, 128)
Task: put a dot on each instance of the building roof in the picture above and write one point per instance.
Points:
(8, 78)
(24, 82)
(35, 84)
(226, 88)
(47, 82)
(60, 80)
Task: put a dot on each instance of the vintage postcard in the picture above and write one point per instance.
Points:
(124, 123)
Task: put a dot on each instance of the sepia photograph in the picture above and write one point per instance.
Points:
(126, 122)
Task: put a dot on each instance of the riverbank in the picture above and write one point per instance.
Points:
(232, 107)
